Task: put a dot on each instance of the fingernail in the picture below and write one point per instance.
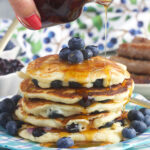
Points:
(33, 21)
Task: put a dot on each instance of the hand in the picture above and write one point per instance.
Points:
(27, 13)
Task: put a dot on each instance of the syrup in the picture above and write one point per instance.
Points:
(54, 12)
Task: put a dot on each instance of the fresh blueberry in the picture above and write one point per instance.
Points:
(145, 111)
(90, 34)
(19, 123)
(139, 126)
(48, 49)
(35, 57)
(63, 54)
(12, 128)
(73, 128)
(35, 82)
(4, 118)
(135, 115)
(129, 133)
(9, 46)
(147, 120)
(7, 105)
(37, 132)
(94, 49)
(76, 43)
(86, 101)
(65, 142)
(75, 57)
(55, 114)
(56, 84)
(140, 24)
(98, 83)
(16, 98)
(73, 84)
(87, 53)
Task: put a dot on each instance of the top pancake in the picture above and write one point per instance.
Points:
(49, 68)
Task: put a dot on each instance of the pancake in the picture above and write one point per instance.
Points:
(50, 68)
(43, 108)
(112, 134)
(84, 122)
(72, 96)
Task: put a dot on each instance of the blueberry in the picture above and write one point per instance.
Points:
(123, 1)
(113, 40)
(135, 115)
(73, 84)
(19, 123)
(9, 46)
(145, 111)
(4, 118)
(12, 128)
(87, 53)
(55, 114)
(107, 125)
(128, 133)
(147, 120)
(16, 98)
(37, 132)
(7, 105)
(76, 43)
(86, 101)
(132, 32)
(63, 54)
(47, 40)
(98, 83)
(73, 128)
(35, 82)
(65, 142)
(56, 84)
(145, 9)
(139, 126)
(110, 44)
(75, 57)
(101, 47)
(94, 49)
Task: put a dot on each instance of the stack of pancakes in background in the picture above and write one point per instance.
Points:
(136, 56)
(83, 101)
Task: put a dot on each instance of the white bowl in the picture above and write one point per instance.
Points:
(9, 84)
(12, 53)
(143, 89)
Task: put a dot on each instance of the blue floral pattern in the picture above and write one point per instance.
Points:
(126, 19)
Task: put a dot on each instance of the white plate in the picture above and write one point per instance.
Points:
(143, 89)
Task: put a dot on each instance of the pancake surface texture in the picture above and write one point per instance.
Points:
(84, 121)
(50, 68)
(43, 108)
(71, 96)
(112, 134)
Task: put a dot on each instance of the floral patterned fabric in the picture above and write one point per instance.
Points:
(126, 19)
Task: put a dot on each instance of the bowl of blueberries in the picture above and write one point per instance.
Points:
(9, 65)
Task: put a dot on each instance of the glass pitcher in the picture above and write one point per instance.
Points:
(54, 12)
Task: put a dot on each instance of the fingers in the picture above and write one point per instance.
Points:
(27, 13)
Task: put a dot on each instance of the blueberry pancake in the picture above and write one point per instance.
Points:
(73, 95)
(43, 108)
(50, 71)
(111, 134)
(82, 121)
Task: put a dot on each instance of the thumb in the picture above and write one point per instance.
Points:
(27, 13)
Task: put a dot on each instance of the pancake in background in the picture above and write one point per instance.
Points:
(83, 122)
(43, 108)
(71, 96)
(50, 68)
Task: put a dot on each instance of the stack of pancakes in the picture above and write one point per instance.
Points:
(136, 56)
(82, 101)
